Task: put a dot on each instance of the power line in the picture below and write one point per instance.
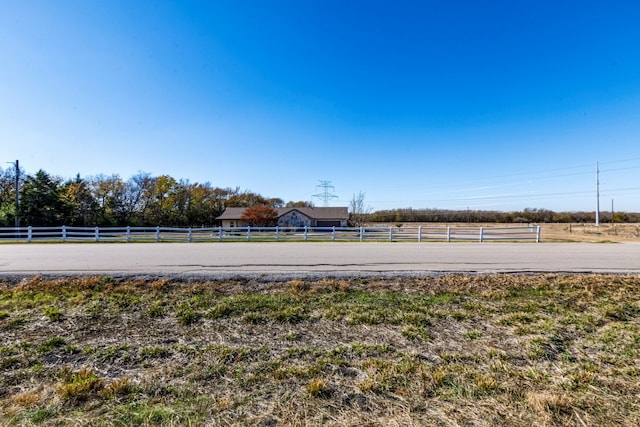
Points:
(326, 193)
(529, 177)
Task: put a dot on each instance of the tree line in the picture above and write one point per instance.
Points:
(142, 200)
(528, 215)
(145, 200)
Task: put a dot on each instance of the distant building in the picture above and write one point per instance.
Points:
(293, 217)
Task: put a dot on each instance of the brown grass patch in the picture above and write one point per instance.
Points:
(512, 350)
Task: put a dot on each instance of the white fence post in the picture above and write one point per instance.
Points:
(128, 234)
(538, 234)
(361, 233)
(390, 233)
(448, 234)
(29, 234)
(419, 233)
(248, 233)
(481, 234)
(64, 234)
(97, 234)
(277, 233)
(190, 235)
(220, 233)
(333, 234)
(306, 232)
(157, 233)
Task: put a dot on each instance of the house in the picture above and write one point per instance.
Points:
(293, 217)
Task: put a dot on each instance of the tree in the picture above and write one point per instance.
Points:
(109, 192)
(42, 202)
(358, 212)
(249, 198)
(7, 196)
(164, 198)
(84, 209)
(299, 204)
(275, 202)
(204, 204)
(136, 198)
(260, 216)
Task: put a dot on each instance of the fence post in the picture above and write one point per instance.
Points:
(248, 233)
(306, 230)
(157, 233)
(333, 234)
(97, 234)
(64, 234)
(190, 235)
(538, 234)
(391, 233)
(361, 233)
(219, 233)
(448, 234)
(277, 233)
(128, 234)
(481, 234)
(29, 234)
(419, 233)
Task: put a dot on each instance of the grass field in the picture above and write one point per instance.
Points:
(591, 233)
(559, 232)
(516, 350)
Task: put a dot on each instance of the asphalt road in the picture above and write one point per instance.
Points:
(286, 260)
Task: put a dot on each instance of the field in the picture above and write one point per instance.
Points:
(558, 232)
(517, 350)
(591, 233)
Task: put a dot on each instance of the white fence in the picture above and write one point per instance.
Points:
(315, 234)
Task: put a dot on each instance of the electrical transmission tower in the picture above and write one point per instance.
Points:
(325, 193)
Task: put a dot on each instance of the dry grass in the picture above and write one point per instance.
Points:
(590, 233)
(559, 232)
(511, 350)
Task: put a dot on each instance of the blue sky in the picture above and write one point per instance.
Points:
(426, 104)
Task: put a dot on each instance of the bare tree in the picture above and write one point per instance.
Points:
(358, 211)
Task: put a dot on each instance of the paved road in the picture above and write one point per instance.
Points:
(283, 260)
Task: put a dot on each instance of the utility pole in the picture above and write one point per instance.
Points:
(597, 195)
(17, 194)
(17, 185)
(612, 214)
(326, 192)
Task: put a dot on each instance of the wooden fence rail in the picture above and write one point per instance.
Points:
(306, 234)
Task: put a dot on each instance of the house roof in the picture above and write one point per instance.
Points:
(314, 213)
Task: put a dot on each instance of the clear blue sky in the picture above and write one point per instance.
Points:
(426, 104)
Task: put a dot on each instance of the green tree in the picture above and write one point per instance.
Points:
(162, 207)
(83, 207)
(42, 202)
(7, 197)
(204, 204)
